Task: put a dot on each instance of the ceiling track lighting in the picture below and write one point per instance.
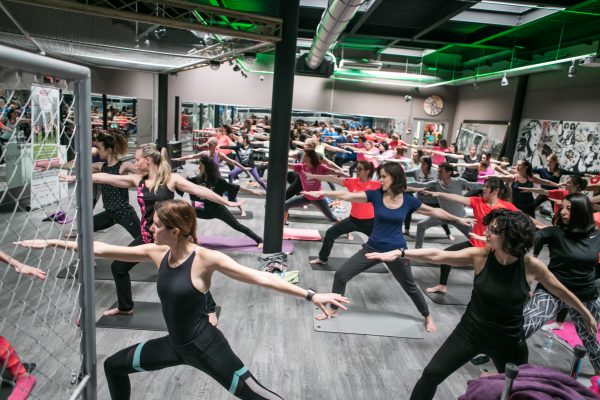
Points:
(214, 65)
(572, 70)
(504, 80)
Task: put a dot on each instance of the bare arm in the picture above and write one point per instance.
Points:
(122, 181)
(536, 179)
(534, 190)
(452, 197)
(231, 161)
(358, 197)
(469, 256)
(186, 186)
(466, 165)
(442, 214)
(21, 268)
(326, 178)
(335, 149)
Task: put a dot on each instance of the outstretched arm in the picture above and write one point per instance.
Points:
(21, 268)
(121, 181)
(463, 257)
(227, 266)
(326, 178)
(443, 214)
(358, 197)
(450, 196)
(545, 182)
(186, 186)
(534, 190)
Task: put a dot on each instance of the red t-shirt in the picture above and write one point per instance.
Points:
(309, 185)
(480, 210)
(557, 194)
(361, 210)
(224, 140)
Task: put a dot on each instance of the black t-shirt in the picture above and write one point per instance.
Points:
(470, 174)
(573, 259)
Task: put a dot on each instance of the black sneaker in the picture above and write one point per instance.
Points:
(480, 359)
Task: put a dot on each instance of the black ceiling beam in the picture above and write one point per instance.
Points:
(363, 18)
(441, 18)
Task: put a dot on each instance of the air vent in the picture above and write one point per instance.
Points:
(370, 65)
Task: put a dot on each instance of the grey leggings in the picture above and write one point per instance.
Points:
(400, 269)
(543, 307)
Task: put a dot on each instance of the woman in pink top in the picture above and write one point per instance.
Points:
(485, 169)
(312, 164)
(437, 158)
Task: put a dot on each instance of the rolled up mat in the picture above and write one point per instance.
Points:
(459, 294)
(243, 244)
(344, 238)
(335, 263)
(301, 234)
(147, 316)
(369, 322)
(142, 272)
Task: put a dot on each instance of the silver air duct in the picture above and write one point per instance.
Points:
(334, 21)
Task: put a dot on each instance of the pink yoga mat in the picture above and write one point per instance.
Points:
(301, 234)
(569, 335)
(238, 244)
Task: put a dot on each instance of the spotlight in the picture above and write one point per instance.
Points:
(214, 65)
(504, 80)
(407, 98)
(236, 68)
(572, 70)
(262, 78)
(147, 42)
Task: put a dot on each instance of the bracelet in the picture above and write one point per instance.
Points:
(311, 293)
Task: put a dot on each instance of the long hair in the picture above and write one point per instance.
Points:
(160, 159)
(211, 174)
(556, 171)
(396, 171)
(367, 166)
(483, 166)
(113, 141)
(178, 214)
(528, 169)
(581, 219)
(313, 158)
(516, 228)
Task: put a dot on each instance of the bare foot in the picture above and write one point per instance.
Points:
(116, 311)
(438, 289)
(485, 373)
(331, 313)
(451, 238)
(429, 324)
(260, 245)
(317, 261)
(213, 319)
(350, 237)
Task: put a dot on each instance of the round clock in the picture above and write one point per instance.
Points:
(433, 105)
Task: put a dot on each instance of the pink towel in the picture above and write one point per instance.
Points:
(569, 335)
(301, 234)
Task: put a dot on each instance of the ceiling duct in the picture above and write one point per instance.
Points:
(333, 22)
(370, 65)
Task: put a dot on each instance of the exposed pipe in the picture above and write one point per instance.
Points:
(23, 31)
(333, 22)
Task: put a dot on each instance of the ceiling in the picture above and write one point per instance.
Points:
(452, 41)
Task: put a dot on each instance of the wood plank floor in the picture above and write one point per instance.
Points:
(272, 333)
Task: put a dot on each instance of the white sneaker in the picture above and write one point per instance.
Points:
(553, 326)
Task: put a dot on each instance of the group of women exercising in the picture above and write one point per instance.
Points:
(502, 312)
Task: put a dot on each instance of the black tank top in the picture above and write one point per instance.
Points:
(470, 174)
(183, 306)
(147, 200)
(521, 199)
(115, 200)
(495, 311)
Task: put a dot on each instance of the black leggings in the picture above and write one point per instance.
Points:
(539, 200)
(445, 268)
(219, 211)
(128, 220)
(457, 350)
(295, 186)
(400, 269)
(346, 225)
(213, 356)
(120, 271)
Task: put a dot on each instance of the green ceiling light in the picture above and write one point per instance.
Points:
(385, 75)
(380, 82)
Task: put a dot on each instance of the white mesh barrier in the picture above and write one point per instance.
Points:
(46, 320)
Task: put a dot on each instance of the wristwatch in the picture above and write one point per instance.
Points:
(401, 253)
(310, 294)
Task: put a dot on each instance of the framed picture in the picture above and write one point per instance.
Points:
(488, 136)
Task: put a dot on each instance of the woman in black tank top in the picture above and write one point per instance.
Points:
(184, 277)
(493, 321)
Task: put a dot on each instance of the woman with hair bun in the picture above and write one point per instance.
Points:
(493, 322)
(185, 271)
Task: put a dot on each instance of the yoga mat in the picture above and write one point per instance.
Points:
(335, 263)
(143, 272)
(301, 234)
(309, 218)
(368, 322)
(147, 317)
(243, 244)
(236, 214)
(344, 238)
(459, 294)
(568, 336)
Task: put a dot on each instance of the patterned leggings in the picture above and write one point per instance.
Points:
(543, 307)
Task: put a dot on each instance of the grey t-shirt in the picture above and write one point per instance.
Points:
(456, 186)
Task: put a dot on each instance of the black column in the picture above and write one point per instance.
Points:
(510, 143)
(163, 96)
(281, 109)
(177, 122)
(104, 112)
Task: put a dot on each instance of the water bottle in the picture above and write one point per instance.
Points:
(510, 374)
(578, 353)
(548, 339)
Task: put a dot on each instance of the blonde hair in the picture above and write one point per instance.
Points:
(160, 158)
(178, 214)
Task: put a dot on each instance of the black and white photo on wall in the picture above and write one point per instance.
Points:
(487, 136)
(575, 143)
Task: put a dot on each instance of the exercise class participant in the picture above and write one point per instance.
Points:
(494, 195)
(245, 156)
(157, 184)
(185, 270)
(551, 172)
(391, 205)
(361, 214)
(493, 321)
(574, 244)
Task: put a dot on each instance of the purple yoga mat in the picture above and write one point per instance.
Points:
(238, 244)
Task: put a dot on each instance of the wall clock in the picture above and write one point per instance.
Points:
(433, 105)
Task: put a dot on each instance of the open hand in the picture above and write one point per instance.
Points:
(477, 237)
(322, 299)
(67, 178)
(467, 221)
(236, 203)
(24, 269)
(388, 256)
(429, 193)
(591, 324)
(314, 193)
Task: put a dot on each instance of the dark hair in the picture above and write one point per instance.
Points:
(114, 141)
(516, 228)
(227, 129)
(313, 158)
(396, 171)
(528, 169)
(582, 218)
(427, 160)
(178, 214)
(443, 143)
(339, 131)
(579, 181)
(385, 145)
(211, 174)
(367, 166)
(446, 166)
(488, 158)
(495, 183)
(245, 138)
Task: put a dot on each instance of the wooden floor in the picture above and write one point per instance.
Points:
(272, 333)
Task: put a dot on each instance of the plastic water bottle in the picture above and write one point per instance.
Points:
(548, 339)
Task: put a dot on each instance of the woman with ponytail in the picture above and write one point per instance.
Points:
(154, 182)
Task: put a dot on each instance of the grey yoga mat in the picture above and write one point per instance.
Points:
(142, 272)
(309, 218)
(459, 294)
(236, 214)
(368, 322)
(147, 316)
(335, 263)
